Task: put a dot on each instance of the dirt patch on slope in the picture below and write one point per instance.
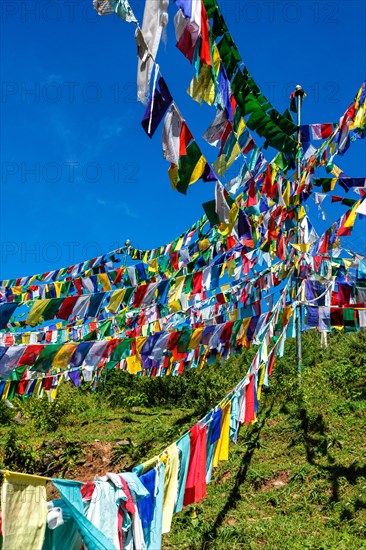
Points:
(281, 479)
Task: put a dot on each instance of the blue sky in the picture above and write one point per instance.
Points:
(69, 113)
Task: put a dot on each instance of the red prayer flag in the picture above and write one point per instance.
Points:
(327, 129)
(197, 282)
(196, 479)
(139, 295)
(67, 307)
(205, 53)
(249, 401)
(185, 138)
(30, 355)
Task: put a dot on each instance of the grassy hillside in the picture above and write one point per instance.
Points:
(296, 478)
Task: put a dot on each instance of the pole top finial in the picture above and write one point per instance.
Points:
(299, 90)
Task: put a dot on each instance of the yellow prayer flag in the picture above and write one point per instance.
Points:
(174, 305)
(156, 327)
(222, 445)
(6, 390)
(179, 244)
(17, 289)
(226, 229)
(260, 384)
(103, 278)
(58, 288)
(198, 170)
(332, 147)
(234, 315)
(220, 165)
(24, 511)
(350, 221)
(195, 338)
(301, 247)
(204, 244)
(116, 300)
(241, 127)
(347, 263)
(63, 356)
(240, 338)
(286, 194)
(140, 341)
(302, 212)
(234, 154)
(177, 288)
(216, 60)
(133, 364)
(173, 175)
(203, 88)
(287, 312)
(38, 390)
(36, 311)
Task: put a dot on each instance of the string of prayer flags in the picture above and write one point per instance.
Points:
(42, 358)
(341, 228)
(315, 132)
(242, 85)
(328, 184)
(191, 165)
(276, 128)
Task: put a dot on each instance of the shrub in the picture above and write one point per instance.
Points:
(19, 455)
(6, 414)
(48, 416)
(197, 388)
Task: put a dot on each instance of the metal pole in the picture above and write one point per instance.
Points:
(299, 94)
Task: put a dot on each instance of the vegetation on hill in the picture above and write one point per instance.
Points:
(296, 478)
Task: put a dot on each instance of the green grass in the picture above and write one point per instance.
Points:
(296, 478)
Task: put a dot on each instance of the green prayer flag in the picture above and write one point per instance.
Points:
(184, 339)
(44, 361)
(210, 210)
(187, 164)
(123, 350)
(188, 283)
(18, 372)
(349, 316)
(52, 308)
(105, 329)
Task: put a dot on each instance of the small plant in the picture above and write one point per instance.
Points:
(64, 456)
(48, 416)
(20, 456)
(6, 414)
(137, 400)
